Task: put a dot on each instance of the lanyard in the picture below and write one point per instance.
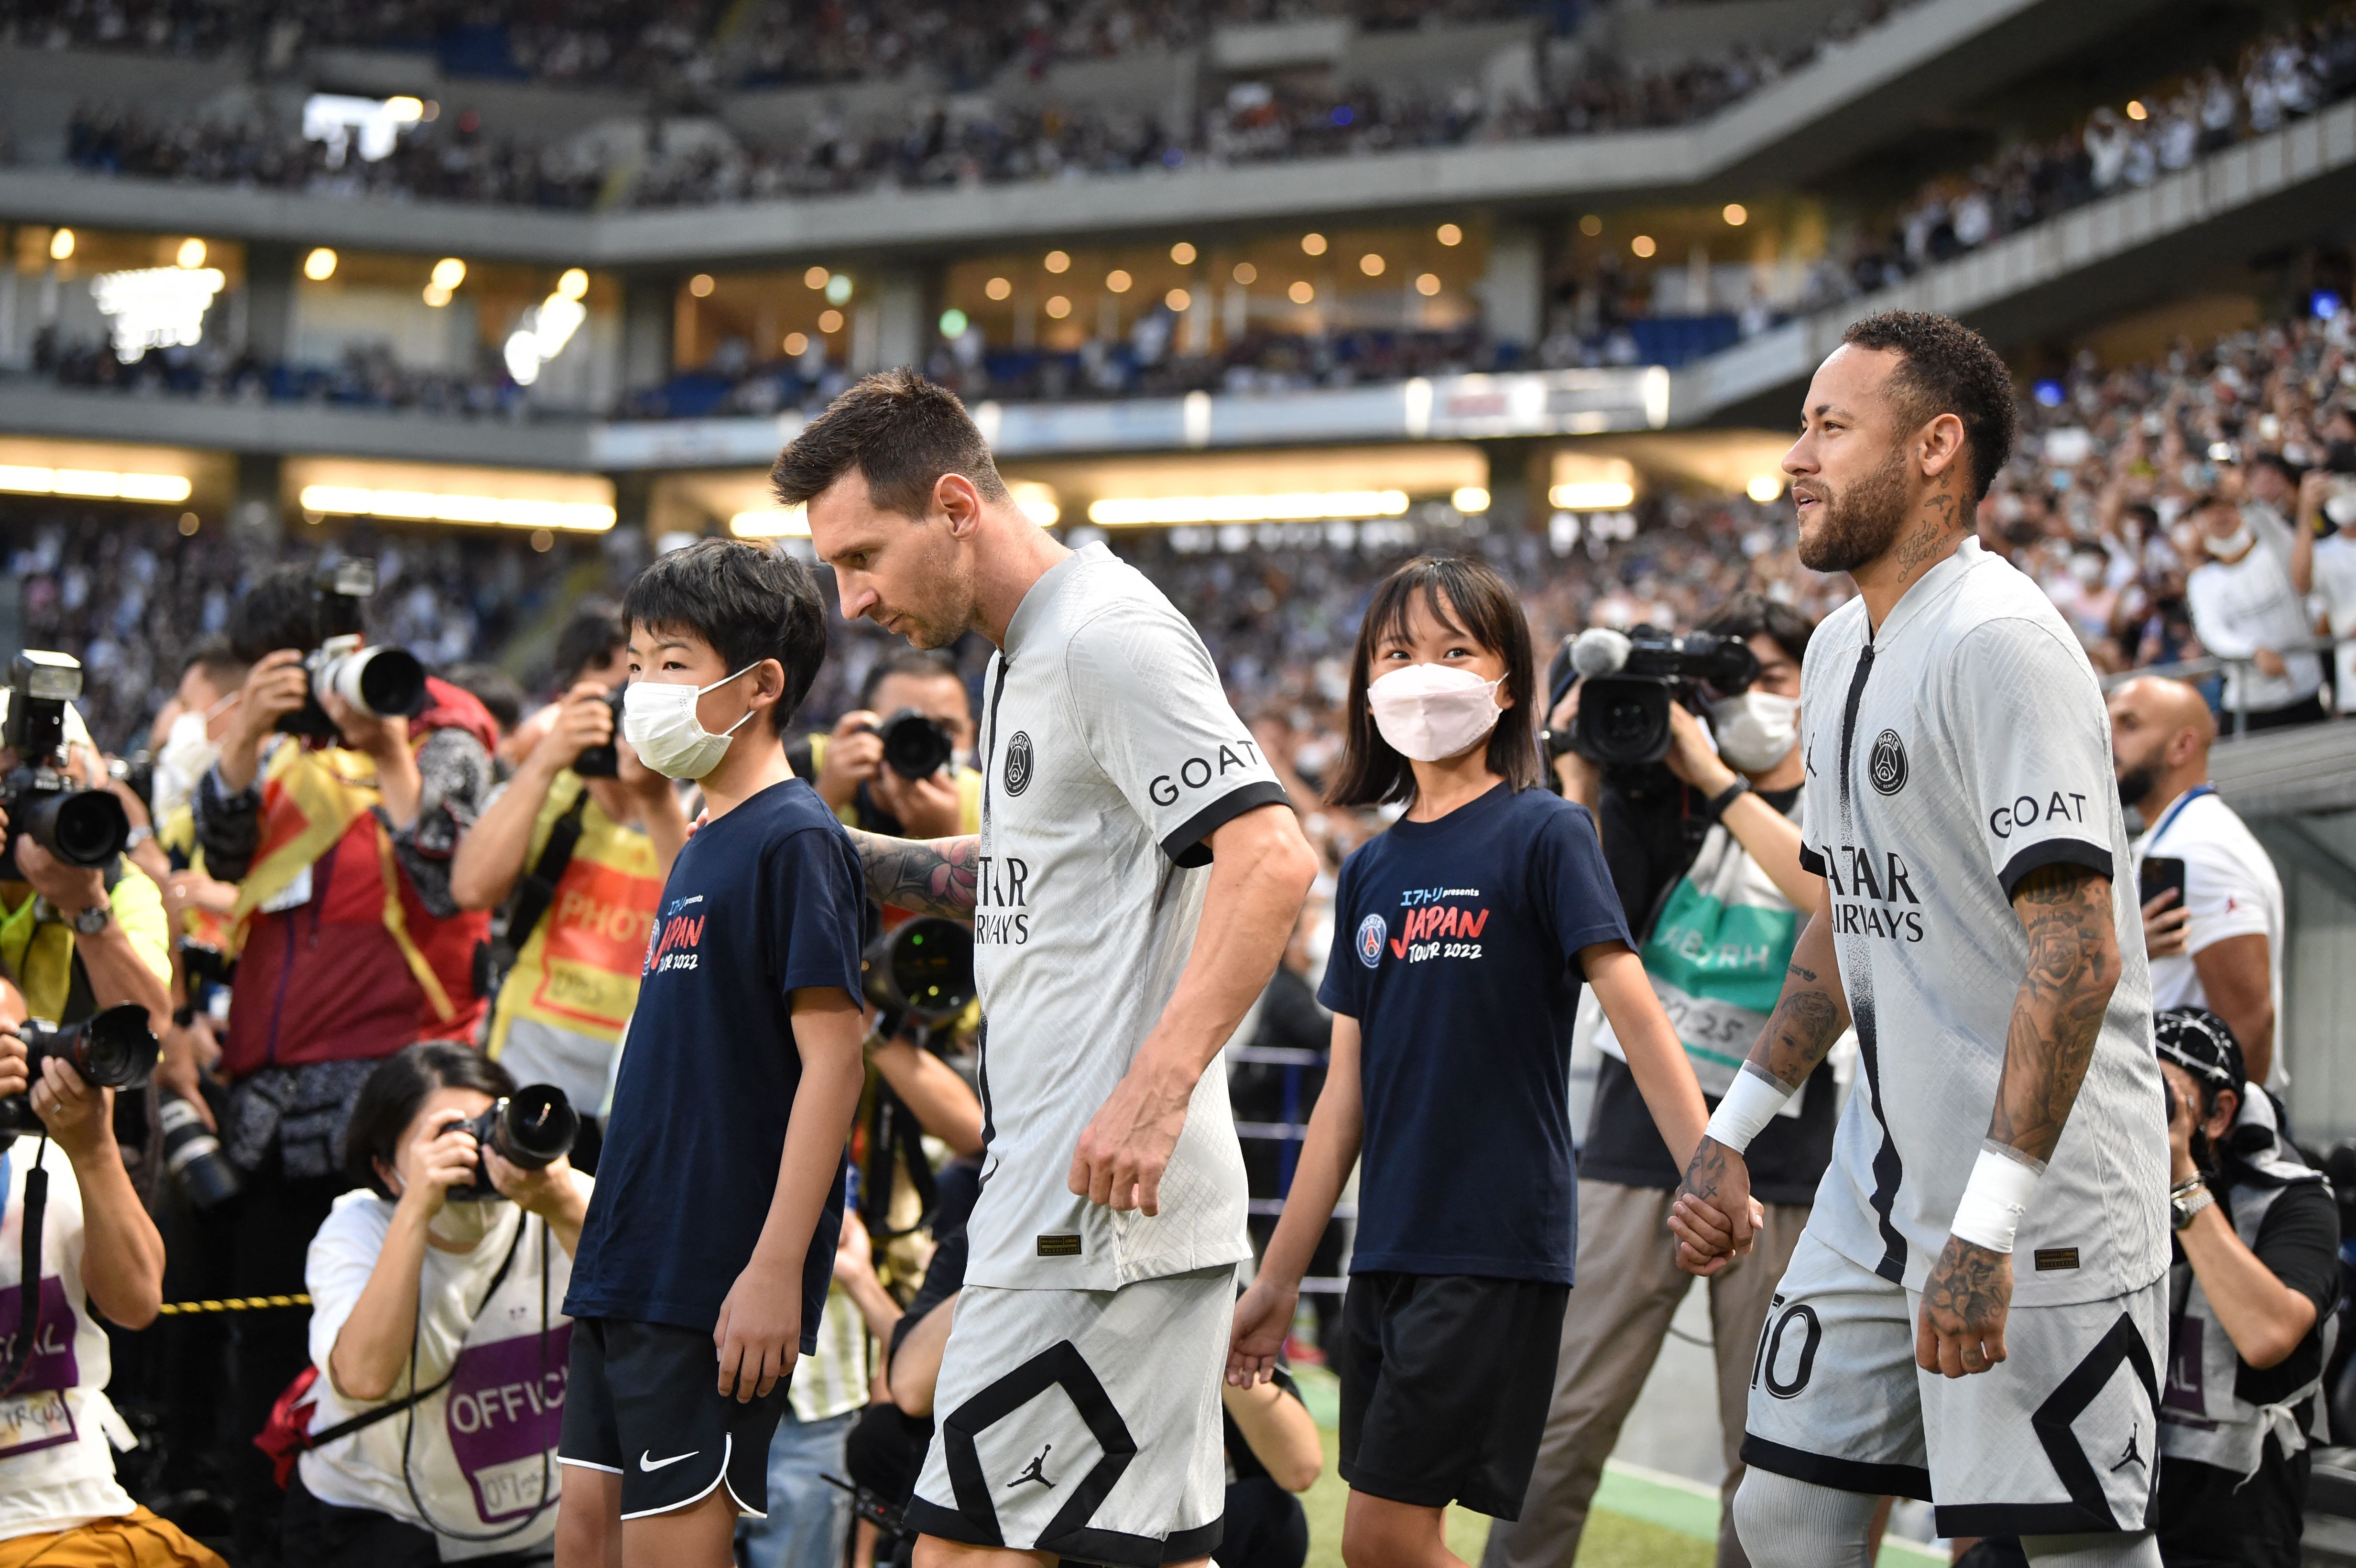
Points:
(2168, 818)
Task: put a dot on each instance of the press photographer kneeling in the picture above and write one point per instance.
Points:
(435, 1323)
(74, 1221)
(1703, 844)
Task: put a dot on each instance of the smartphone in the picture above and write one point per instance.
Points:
(2161, 874)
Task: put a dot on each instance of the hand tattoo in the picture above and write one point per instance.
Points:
(2074, 964)
(1968, 1295)
(930, 876)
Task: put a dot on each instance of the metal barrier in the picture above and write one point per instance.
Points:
(2218, 664)
(1289, 1134)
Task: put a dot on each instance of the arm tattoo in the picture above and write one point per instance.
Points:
(1808, 1018)
(2074, 964)
(930, 876)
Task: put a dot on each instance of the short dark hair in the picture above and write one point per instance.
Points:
(1945, 368)
(750, 601)
(280, 611)
(388, 1100)
(925, 663)
(1463, 592)
(222, 665)
(494, 688)
(595, 629)
(900, 430)
(1748, 615)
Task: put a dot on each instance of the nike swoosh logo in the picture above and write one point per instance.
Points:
(647, 1460)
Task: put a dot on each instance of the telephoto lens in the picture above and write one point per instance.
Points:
(80, 827)
(922, 967)
(382, 682)
(916, 744)
(193, 1155)
(531, 1129)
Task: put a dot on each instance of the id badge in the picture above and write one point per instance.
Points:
(37, 1420)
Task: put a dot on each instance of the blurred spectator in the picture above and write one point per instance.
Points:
(2216, 935)
(2326, 567)
(2244, 608)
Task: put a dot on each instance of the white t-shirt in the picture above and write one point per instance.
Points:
(56, 1470)
(1110, 755)
(2248, 605)
(2335, 584)
(477, 1446)
(1966, 748)
(2231, 887)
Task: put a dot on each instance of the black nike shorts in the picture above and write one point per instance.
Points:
(642, 1401)
(1446, 1379)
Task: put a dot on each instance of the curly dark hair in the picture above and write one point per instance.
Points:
(1945, 368)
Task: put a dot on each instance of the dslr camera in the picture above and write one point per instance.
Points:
(44, 802)
(603, 761)
(916, 744)
(1630, 679)
(921, 969)
(531, 1128)
(382, 682)
(112, 1050)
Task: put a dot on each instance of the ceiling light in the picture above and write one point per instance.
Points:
(1304, 506)
(61, 245)
(1470, 498)
(1590, 225)
(448, 273)
(101, 483)
(425, 506)
(797, 344)
(1183, 253)
(319, 265)
(573, 284)
(772, 523)
(700, 285)
(1300, 294)
(953, 323)
(1245, 272)
(1371, 265)
(838, 289)
(436, 295)
(1056, 262)
(1764, 487)
(1736, 215)
(829, 321)
(1037, 501)
(191, 253)
(1427, 285)
(998, 288)
(1117, 280)
(1451, 235)
(816, 278)
(2135, 110)
(1643, 245)
(1313, 244)
(1058, 307)
(1593, 495)
(1178, 299)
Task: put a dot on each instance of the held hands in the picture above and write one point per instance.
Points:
(1127, 1146)
(760, 1330)
(1263, 1316)
(2163, 925)
(1715, 1218)
(1964, 1303)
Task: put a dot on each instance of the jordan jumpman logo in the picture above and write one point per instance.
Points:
(1036, 1470)
(2130, 1457)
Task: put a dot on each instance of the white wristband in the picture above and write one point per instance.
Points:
(1994, 1201)
(1750, 1103)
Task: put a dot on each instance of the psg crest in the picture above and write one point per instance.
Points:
(1371, 933)
(1018, 763)
(1886, 766)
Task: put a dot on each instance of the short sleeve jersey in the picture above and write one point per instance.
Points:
(763, 902)
(2231, 889)
(1950, 751)
(1456, 948)
(1111, 754)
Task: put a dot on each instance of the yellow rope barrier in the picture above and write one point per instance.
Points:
(234, 1304)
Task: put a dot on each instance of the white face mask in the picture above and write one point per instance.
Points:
(658, 721)
(187, 754)
(1430, 711)
(463, 1225)
(2230, 546)
(2087, 569)
(1756, 730)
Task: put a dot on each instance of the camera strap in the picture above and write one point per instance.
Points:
(29, 1275)
(537, 891)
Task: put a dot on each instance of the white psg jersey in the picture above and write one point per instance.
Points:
(1111, 754)
(1966, 746)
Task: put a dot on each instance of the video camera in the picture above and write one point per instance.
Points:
(921, 968)
(916, 744)
(382, 682)
(1630, 678)
(603, 761)
(44, 802)
(531, 1128)
(112, 1050)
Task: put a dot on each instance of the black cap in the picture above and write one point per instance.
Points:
(2202, 1044)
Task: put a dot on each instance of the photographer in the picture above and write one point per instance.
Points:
(348, 944)
(1718, 920)
(849, 767)
(581, 837)
(593, 646)
(436, 1304)
(60, 1500)
(2256, 1277)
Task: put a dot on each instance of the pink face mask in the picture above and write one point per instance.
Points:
(1430, 711)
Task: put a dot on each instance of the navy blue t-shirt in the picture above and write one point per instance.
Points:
(1455, 947)
(763, 902)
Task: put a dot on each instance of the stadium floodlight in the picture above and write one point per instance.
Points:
(1036, 501)
(1469, 499)
(375, 125)
(156, 307)
(426, 505)
(319, 265)
(771, 523)
(1764, 487)
(448, 273)
(1304, 506)
(1593, 495)
(61, 245)
(191, 254)
(97, 483)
